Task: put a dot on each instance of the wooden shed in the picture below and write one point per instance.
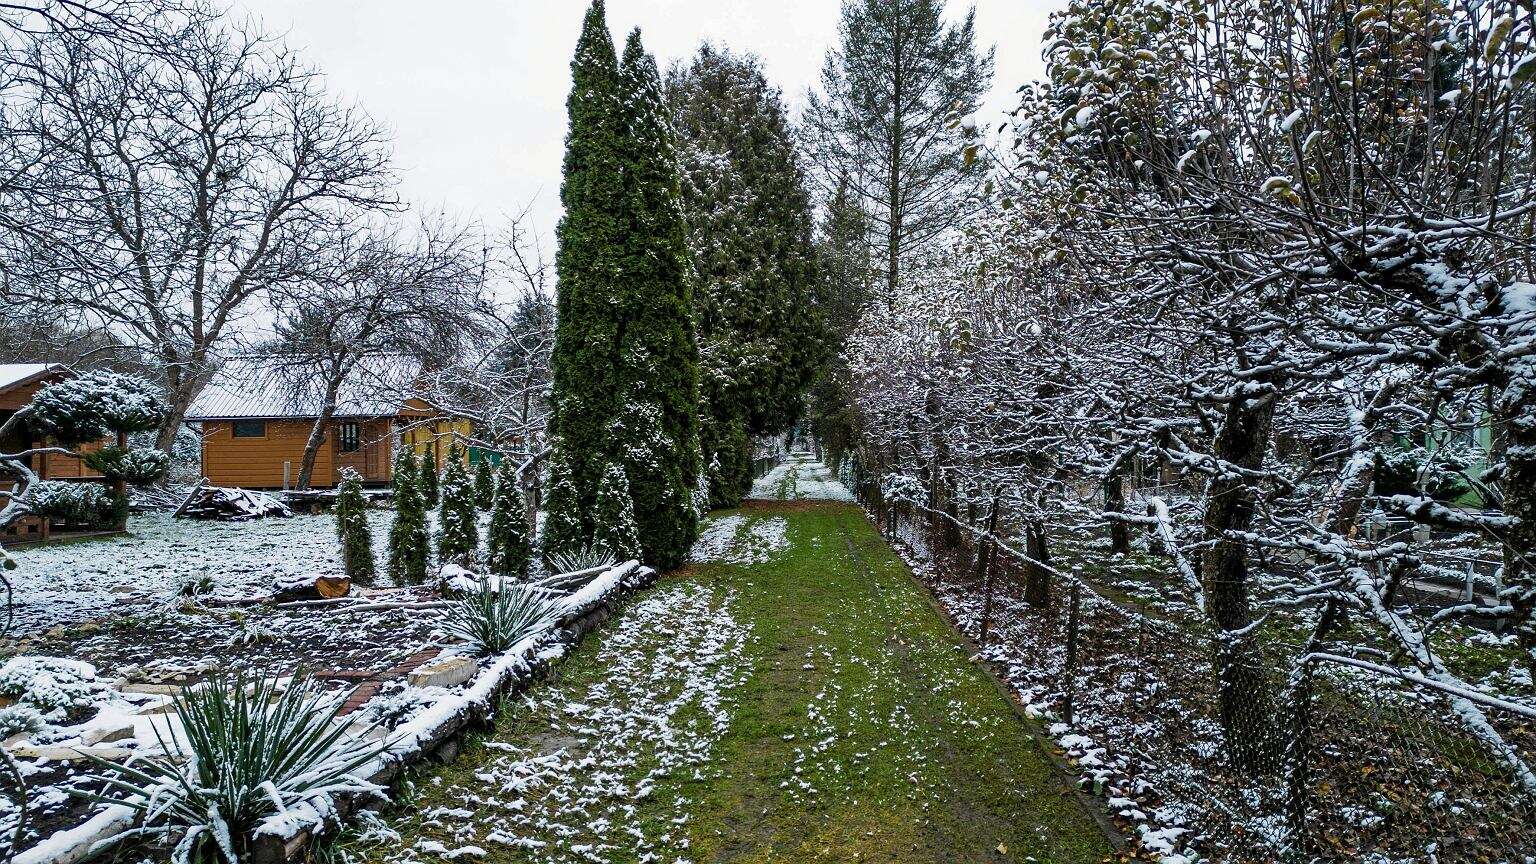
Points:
(19, 382)
(254, 427)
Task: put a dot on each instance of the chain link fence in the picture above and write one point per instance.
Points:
(1257, 753)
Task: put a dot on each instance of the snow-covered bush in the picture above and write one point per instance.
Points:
(1439, 474)
(248, 751)
(493, 621)
(20, 720)
(89, 406)
(396, 704)
(54, 687)
(80, 503)
(134, 467)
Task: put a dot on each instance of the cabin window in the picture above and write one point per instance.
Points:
(347, 438)
(250, 429)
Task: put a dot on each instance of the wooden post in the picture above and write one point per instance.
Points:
(984, 568)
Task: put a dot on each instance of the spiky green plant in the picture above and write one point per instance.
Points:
(409, 544)
(493, 621)
(352, 528)
(485, 487)
(246, 751)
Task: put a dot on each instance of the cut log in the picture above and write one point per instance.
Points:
(311, 587)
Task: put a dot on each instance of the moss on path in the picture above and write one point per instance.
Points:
(826, 714)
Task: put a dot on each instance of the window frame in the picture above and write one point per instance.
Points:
(349, 443)
(234, 428)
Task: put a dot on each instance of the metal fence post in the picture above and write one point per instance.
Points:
(1297, 756)
(1070, 672)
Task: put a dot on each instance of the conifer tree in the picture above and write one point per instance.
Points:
(458, 538)
(409, 545)
(485, 487)
(562, 529)
(507, 544)
(429, 480)
(584, 362)
(750, 231)
(352, 528)
(625, 365)
(657, 435)
(617, 531)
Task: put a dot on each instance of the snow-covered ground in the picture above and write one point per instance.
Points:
(569, 792)
(800, 477)
(71, 582)
(740, 539)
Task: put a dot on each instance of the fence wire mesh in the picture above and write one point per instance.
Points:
(1260, 754)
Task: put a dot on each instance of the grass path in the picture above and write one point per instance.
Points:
(792, 697)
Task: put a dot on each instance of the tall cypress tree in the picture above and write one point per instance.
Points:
(625, 364)
(750, 229)
(584, 362)
(352, 528)
(429, 479)
(657, 434)
(507, 550)
(458, 538)
(409, 544)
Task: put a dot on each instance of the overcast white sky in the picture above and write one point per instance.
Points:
(475, 89)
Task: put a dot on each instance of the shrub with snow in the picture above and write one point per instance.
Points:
(88, 407)
(248, 752)
(134, 467)
(54, 687)
(493, 621)
(396, 704)
(80, 503)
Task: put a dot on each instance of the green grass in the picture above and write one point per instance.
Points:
(860, 730)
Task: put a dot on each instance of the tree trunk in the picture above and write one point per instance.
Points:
(1037, 579)
(1245, 700)
(317, 432)
(1520, 544)
(1114, 502)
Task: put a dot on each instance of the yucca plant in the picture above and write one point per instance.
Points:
(583, 558)
(493, 621)
(246, 752)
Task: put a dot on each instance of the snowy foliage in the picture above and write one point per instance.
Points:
(88, 407)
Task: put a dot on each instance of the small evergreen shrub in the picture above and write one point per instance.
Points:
(493, 621)
(562, 531)
(458, 538)
(507, 546)
(485, 487)
(429, 480)
(76, 503)
(134, 466)
(615, 528)
(88, 407)
(409, 545)
(352, 528)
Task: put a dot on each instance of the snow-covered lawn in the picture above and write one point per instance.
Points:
(800, 477)
(566, 787)
(70, 582)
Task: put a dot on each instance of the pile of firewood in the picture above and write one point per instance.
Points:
(230, 505)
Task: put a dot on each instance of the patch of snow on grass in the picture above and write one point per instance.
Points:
(585, 759)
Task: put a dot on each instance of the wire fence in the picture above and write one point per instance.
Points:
(1253, 753)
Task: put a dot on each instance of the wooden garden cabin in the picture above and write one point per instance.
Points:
(254, 429)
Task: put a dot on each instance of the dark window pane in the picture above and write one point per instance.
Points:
(347, 438)
(250, 429)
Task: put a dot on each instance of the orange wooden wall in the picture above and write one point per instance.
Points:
(257, 463)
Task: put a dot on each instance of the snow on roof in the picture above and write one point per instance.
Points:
(12, 374)
(259, 388)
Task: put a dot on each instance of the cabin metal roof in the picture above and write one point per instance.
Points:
(261, 389)
(17, 374)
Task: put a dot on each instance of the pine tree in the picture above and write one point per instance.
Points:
(750, 231)
(409, 545)
(657, 434)
(617, 531)
(352, 528)
(429, 480)
(458, 537)
(485, 487)
(584, 363)
(891, 90)
(507, 544)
